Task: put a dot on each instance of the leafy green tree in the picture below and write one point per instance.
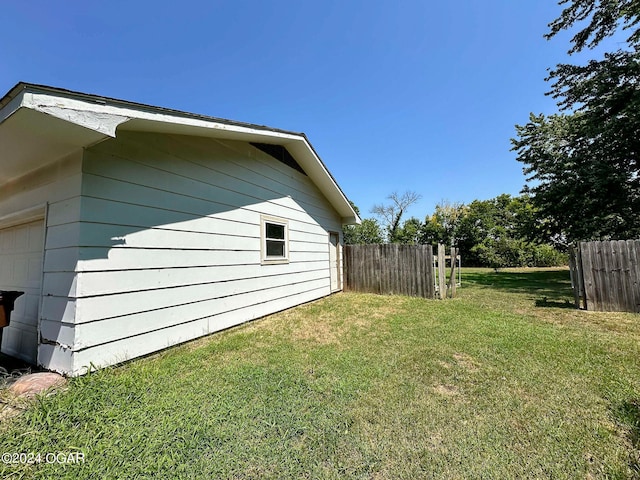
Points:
(442, 225)
(604, 19)
(505, 231)
(483, 219)
(410, 232)
(585, 193)
(584, 162)
(431, 232)
(507, 251)
(500, 252)
(367, 232)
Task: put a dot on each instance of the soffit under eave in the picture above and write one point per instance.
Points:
(30, 139)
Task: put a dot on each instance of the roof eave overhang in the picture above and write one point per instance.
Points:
(83, 120)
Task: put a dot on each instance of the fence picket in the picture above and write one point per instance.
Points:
(587, 262)
(634, 271)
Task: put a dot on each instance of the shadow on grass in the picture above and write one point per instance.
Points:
(552, 286)
(544, 302)
(628, 413)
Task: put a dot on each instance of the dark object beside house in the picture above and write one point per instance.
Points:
(7, 301)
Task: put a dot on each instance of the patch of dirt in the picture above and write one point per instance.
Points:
(383, 311)
(8, 411)
(319, 332)
(436, 443)
(466, 361)
(446, 390)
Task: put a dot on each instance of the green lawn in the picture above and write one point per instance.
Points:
(505, 381)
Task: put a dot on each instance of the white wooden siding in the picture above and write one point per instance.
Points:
(58, 185)
(168, 245)
(183, 165)
(130, 347)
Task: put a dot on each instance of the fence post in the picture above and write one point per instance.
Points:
(442, 286)
(452, 276)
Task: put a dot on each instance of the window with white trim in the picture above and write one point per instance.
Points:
(275, 240)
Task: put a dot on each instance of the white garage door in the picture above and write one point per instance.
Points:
(21, 249)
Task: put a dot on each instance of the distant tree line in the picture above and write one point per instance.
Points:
(504, 231)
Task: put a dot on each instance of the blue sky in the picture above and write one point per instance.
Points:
(394, 95)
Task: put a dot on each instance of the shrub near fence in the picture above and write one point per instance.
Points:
(390, 269)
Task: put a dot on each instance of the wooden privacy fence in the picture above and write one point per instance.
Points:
(605, 276)
(390, 269)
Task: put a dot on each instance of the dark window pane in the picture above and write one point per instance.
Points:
(275, 248)
(275, 231)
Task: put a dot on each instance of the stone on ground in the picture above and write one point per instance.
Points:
(35, 383)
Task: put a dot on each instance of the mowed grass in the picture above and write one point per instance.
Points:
(504, 381)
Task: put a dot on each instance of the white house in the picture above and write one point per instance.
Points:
(132, 228)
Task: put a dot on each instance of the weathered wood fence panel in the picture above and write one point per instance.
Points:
(606, 275)
(390, 269)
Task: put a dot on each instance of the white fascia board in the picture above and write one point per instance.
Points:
(80, 113)
(93, 114)
(105, 116)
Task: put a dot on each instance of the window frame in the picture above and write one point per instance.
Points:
(271, 259)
